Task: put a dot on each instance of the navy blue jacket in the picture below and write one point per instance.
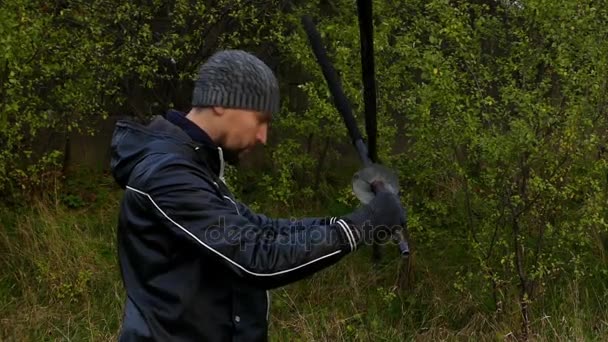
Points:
(195, 262)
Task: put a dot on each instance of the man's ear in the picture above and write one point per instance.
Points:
(219, 110)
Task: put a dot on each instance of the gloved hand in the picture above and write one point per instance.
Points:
(380, 217)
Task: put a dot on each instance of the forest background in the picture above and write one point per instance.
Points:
(494, 113)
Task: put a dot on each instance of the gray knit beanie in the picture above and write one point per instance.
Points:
(236, 79)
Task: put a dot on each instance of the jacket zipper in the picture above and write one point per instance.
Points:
(221, 177)
(221, 154)
(267, 305)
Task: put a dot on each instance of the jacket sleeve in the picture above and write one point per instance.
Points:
(268, 253)
(278, 224)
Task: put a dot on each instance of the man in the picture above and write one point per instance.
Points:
(195, 262)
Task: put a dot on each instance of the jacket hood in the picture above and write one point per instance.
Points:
(132, 142)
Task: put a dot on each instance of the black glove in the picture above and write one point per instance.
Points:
(380, 217)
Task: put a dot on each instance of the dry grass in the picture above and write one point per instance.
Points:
(59, 281)
(59, 276)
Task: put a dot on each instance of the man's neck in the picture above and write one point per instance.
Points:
(204, 121)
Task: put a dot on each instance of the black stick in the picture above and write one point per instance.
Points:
(340, 100)
(342, 105)
(366, 38)
(366, 35)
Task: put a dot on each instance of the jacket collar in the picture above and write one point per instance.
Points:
(213, 153)
(193, 130)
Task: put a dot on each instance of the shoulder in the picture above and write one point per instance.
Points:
(170, 171)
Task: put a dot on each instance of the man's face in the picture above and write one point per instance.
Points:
(243, 130)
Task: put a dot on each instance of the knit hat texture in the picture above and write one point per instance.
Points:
(236, 79)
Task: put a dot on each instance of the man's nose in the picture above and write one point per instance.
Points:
(262, 134)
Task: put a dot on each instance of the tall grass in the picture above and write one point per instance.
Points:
(59, 281)
(58, 275)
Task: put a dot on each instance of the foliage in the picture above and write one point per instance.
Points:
(494, 113)
(66, 65)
